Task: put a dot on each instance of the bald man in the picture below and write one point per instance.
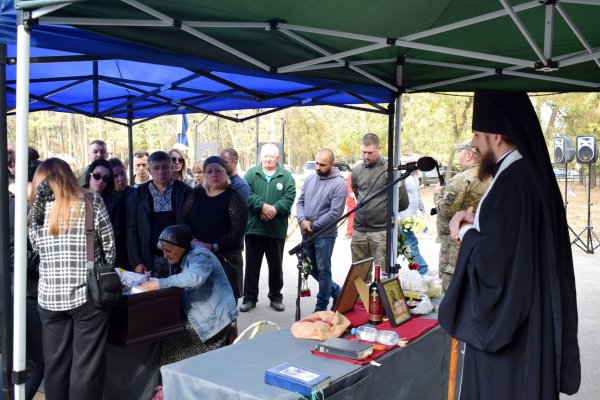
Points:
(321, 202)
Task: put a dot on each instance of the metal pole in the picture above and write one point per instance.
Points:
(257, 134)
(5, 278)
(390, 199)
(394, 120)
(20, 257)
(566, 194)
(95, 87)
(282, 141)
(590, 242)
(397, 146)
(130, 143)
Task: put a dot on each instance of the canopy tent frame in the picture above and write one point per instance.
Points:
(21, 111)
(543, 60)
(539, 67)
(187, 103)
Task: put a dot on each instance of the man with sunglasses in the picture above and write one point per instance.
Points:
(155, 205)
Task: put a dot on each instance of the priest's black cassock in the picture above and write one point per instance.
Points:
(512, 299)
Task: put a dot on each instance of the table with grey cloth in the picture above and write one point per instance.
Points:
(132, 373)
(418, 371)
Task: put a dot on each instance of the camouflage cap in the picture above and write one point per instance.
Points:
(466, 146)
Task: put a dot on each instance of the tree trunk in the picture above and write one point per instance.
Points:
(550, 127)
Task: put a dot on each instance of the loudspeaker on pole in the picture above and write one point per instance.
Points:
(564, 152)
(587, 150)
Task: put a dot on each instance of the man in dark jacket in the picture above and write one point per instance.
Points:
(369, 234)
(272, 193)
(152, 207)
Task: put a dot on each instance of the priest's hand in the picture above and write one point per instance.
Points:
(460, 218)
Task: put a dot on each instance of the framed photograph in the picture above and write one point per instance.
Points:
(349, 293)
(393, 301)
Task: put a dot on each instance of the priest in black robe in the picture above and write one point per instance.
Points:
(512, 299)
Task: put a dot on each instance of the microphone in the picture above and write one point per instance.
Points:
(423, 164)
(442, 182)
(440, 176)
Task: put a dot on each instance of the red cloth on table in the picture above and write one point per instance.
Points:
(407, 331)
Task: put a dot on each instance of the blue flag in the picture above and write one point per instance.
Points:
(182, 136)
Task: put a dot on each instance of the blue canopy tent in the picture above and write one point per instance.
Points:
(101, 84)
(83, 72)
(368, 54)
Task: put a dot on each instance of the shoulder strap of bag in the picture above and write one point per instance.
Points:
(89, 227)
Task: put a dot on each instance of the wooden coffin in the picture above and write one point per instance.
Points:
(146, 317)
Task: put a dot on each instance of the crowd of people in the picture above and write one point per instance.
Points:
(191, 229)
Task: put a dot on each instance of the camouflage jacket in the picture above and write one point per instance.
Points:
(462, 191)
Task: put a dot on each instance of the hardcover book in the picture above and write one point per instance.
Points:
(299, 380)
(345, 348)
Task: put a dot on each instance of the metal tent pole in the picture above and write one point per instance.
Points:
(397, 146)
(130, 144)
(20, 256)
(5, 278)
(392, 198)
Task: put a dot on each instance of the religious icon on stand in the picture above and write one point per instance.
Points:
(394, 305)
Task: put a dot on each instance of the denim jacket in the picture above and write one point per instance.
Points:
(208, 299)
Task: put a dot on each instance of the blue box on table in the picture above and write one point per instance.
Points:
(299, 380)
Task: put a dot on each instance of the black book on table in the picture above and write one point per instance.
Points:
(345, 348)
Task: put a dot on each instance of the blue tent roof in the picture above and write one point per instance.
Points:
(171, 84)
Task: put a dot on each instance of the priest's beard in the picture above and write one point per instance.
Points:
(486, 165)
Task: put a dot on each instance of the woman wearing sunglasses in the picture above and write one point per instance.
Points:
(179, 167)
(99, 178)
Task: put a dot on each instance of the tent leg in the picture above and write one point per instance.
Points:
(20, 254)
(391, 194)
(397, 146)
(130, 147)
(394, 118)
(5, 278)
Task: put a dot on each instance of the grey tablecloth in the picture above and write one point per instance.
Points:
(418, 371)
(132, 373)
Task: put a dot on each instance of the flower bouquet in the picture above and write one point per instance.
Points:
(305, 270)
(413, 223)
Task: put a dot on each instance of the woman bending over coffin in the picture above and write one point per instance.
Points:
(208, 300)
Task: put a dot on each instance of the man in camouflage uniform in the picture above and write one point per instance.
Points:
(462, 191)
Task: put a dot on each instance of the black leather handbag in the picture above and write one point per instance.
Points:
(103, 284)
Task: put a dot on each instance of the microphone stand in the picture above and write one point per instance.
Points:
(298, 250)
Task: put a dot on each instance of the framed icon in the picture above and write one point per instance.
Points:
(393, 301)
(349, 293)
